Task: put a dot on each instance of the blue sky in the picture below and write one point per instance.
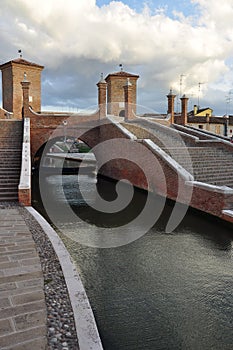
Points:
(186, 7)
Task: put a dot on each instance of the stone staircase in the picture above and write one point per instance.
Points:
(212, 165)
(10, 159)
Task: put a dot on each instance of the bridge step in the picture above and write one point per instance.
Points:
(10, 158)
(213, 165)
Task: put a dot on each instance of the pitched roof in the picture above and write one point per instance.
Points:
(200, 110)
(21, 61)
(122, 74)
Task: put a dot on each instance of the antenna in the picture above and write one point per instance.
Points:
(181, 83)
(228, 101)
(199, 91)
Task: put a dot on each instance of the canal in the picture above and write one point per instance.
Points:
(161, 291)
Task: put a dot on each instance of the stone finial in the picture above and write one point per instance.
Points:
(25, 80)
(170, 92)
(102, 80)
(128, 83)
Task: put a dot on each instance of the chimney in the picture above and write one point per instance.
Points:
(184, 110)
(102, 96)
(128, 101)
(195, 109)
(171, 103)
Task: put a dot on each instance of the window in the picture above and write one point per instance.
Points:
(200, 126)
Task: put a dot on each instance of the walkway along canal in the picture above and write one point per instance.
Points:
(162, 291)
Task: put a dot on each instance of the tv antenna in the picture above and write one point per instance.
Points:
(181, 84)
(228, 101)
(199, 92)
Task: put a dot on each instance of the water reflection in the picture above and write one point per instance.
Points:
(163, 291)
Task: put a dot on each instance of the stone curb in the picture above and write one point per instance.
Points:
(87, 332)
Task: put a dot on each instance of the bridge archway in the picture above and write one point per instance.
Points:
(52, 144)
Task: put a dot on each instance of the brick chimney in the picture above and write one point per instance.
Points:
(171, 104)
(128, 89)
(184, 110)
(102, 97)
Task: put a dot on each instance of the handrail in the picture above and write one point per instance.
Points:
(24, 187)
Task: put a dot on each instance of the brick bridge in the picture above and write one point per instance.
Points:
(176, 161)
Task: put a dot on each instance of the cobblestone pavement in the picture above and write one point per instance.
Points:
(35, 310)
(23, 314)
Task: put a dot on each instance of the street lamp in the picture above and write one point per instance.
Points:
(65, 124)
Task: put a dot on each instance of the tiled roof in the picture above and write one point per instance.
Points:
(202, 119)
(122, 74)
(21, 61)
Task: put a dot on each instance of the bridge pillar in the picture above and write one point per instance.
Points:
(128, 92)
(102, 97)
(184, 110)
(25, 86)
(171, 104)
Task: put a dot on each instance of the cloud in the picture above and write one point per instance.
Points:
(76, 40)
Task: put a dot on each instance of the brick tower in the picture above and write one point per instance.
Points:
(12, 95)
(115, 92)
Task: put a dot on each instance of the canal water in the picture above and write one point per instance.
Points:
(160, 292)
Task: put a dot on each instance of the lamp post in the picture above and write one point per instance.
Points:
(65, 125)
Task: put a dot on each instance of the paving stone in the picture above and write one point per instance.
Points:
(33, 261)
(23, 256)
(7, 287)
(27, 298)
(31, 283)
(4, 259)
(21, 277)
(29, 320)
(17, 247)
(19, 337)
(21, 270)
(6, 326)
(20, 251)
(37, 344)
(4, 302)
(7, 244)
(7, 265)
(22, 309)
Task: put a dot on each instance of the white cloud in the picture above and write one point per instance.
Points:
(78, 39)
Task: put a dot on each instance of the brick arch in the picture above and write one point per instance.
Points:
(46, 146)
(46, 127)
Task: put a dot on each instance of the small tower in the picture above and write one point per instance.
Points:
(115, 92)
(184, 110)
(171, 103)
(12, 95)
(102, 91)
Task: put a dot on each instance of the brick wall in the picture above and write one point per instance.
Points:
(115, 93)
(12, 75)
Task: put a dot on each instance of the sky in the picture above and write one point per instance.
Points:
(183, 45)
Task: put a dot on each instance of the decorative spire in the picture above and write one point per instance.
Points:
(102, 80)
(20, 53)
(128, 82)
(25, 77)
(121, 67)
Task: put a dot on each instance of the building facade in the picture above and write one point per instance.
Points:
(115, 92)
(13, 73)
